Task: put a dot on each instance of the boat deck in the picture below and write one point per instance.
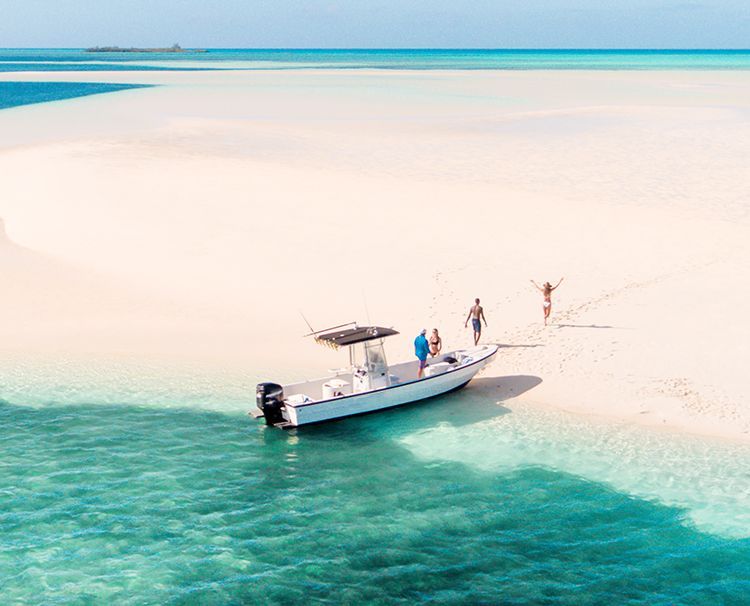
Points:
(339, 385)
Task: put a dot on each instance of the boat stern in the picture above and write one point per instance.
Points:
(269, 400)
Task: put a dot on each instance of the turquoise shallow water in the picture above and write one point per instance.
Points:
(151, 505)
(75, 60)
(418, 59)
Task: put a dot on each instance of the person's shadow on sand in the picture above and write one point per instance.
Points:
(511, 346)
(585, 326)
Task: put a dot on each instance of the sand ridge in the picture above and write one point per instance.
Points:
(240, 198)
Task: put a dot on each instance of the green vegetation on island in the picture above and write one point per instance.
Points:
(175, 48)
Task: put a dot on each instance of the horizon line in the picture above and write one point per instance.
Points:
(416, 48)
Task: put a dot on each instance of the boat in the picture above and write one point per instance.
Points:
(368, 383)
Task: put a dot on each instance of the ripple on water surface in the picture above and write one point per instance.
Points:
(705, 477)
(142, 505)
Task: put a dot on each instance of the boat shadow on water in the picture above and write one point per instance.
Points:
(481, 400)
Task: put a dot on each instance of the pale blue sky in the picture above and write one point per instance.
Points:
(378, 23)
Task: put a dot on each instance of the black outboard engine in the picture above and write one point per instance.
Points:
(269, 397)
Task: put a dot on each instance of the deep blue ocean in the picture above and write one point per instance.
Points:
(138, 488)
(13, 94)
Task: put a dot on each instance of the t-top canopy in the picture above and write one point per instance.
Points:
(351, 336)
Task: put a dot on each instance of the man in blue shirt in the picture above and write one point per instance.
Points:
(421, 350)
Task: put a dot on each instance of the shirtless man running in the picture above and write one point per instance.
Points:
(546, 290)
(476, 313)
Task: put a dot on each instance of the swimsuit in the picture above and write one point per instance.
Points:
(476, 324)
(547, 303)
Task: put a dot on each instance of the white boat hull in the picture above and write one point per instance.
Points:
(389, 397)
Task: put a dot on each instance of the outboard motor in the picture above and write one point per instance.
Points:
(269, 398)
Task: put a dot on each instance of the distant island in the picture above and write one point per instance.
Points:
(175, 48)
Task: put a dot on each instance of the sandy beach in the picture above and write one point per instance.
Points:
(195, 219)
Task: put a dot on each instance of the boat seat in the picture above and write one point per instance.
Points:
(298, 398)
(334, 388)
(436, 368)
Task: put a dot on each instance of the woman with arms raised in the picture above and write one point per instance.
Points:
(546, 290)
